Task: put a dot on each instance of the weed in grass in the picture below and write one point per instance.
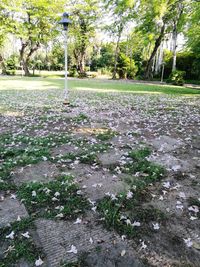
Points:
(57, 198)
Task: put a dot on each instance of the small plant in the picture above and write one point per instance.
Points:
(177, 77)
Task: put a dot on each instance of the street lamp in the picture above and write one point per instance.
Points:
(65, 22)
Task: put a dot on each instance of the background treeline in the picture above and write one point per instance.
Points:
(125, 39)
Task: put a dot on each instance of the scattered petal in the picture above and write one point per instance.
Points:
(73, 250)
(39, 262)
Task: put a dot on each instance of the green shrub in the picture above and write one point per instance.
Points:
(10, 72)
(123, 64)
(177, 77)
(73, 72)
(11, 65)
(132, 70)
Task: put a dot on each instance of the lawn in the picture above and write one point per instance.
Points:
(38, 83)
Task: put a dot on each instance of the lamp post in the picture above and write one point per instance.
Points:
(163, 69)
(65, 22)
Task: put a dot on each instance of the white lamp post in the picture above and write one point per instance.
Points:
(65, 22)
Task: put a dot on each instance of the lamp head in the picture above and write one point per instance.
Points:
(65, 21)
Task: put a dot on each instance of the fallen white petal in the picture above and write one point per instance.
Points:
(73, 250)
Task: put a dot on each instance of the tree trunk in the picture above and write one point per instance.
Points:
(28, 57)
(26, 69)
(117, 51)
(174, 40)
(148, 70)
(22, 52)
(180, 8)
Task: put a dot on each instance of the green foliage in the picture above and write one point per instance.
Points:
(193, 29)
(73, 72)
(177, 77)
(106, 135)
(126, 68)
(84, 16)
(186, 61)
(123, 64)
(11, 65)
(104, 60)
(132, 70)
(20, 247)
(60, 193)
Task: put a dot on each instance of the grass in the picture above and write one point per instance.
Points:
(20, 247)
(30, 83)
(107, 135)
(131, 208)
(53, 198)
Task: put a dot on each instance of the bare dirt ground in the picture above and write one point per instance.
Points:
(103, 129)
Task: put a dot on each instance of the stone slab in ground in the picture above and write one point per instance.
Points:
(166, 143)
(10, 209)
(57, 237)
(107, 256)
(111, 158)
(78, 170)
(171, 162)
(121, 141)
(98, 183)
(40, 172)
(64, 149)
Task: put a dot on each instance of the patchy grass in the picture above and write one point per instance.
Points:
(20, 247)
(56, 199)
(121, 212)
(81, 118)
(87, 156)
(107, 135)
(143, 171)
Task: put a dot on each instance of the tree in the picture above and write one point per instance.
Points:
(193, 29)
(84, 16)
(156, 18)
(177, 20)
(34, 23)
(121, 12)
(3, 33)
